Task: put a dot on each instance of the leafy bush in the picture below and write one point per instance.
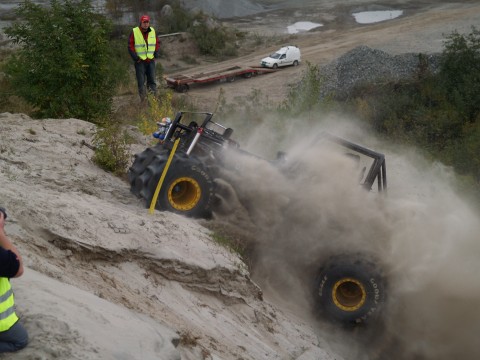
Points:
(159, 107)
(460, 72)
(213, 40)
(305, 95)
(180, 20)
(9, 101)
(64, 66)
(112, 145)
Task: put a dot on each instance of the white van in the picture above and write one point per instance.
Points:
(288, 55)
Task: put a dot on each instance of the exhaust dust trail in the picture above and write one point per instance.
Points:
(296, 215)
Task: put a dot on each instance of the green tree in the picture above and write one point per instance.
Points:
(460, 72)
(64, 65)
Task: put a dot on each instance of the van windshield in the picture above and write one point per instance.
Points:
(275, 55)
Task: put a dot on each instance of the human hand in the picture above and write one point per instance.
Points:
(3, 216)
(3, 211)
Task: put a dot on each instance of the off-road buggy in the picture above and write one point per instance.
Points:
(348, 288)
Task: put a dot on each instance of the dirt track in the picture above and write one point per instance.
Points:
(421, 28)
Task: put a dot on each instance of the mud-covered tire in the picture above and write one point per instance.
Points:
(187, 189)
(350, 290)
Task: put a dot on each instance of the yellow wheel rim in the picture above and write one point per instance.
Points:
(349, 294)
(184, 193)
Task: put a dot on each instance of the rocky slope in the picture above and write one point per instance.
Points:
(107, 280)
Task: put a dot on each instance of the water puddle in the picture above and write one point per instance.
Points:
(302, 26)
(369, 17)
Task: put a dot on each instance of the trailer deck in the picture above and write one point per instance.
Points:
(181, 82)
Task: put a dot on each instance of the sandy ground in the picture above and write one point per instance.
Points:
(106, 280)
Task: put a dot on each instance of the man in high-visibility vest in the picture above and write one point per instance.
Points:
(143, 46)
(13, 335)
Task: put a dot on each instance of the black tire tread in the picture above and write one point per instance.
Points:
(140, 164)
(145, 174)
(361, 268)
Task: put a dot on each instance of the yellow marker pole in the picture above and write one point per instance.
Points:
(162, 177)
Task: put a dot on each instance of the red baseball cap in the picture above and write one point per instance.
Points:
(144, 18)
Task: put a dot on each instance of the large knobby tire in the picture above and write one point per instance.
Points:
(137, 177)
(187, 189)
(350, 290)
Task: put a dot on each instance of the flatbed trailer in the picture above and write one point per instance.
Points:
(181, 83)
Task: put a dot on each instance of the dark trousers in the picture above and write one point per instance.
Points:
(145, 71)
(13, 339)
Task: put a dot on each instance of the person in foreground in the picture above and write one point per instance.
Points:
(13, 335)
(143, 47)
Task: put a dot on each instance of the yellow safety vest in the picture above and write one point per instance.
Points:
(7, 306)
(143, 51)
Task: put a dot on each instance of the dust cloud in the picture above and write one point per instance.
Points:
(294, 214)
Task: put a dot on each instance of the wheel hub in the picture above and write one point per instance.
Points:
(184, 194)
(349, 294)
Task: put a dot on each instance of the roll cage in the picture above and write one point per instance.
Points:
(210, 133)
(378, 168)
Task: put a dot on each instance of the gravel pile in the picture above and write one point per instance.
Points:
(366, 65)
